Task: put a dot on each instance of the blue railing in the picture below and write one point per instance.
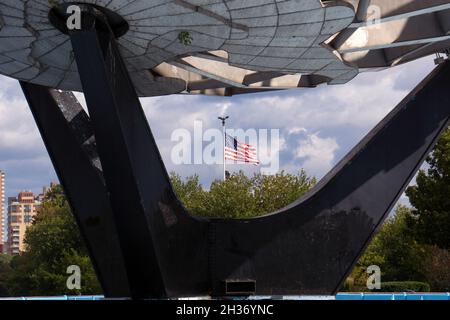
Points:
(393, 296)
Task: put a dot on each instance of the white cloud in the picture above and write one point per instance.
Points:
(318, 153)
(17, 128)
(296, 130)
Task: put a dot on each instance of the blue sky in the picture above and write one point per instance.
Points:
(317, 126)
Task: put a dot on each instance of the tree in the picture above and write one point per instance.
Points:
(277, 191)
(190, 192)
(240, 196)
(431, 197)
(53, 243)
(5, 271)
(232, 198)
(437, 268)
(395, 250)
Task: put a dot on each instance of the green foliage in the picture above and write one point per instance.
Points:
(277, 191)
(190, 193)
(239, 196)
(53, 243)
(401, 256)
(395, 250)
(404, 286)
(5, 271)
(232, 198)
(185, 38)
(437, 268)
(431, 197)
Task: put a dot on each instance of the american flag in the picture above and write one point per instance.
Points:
(239, 152)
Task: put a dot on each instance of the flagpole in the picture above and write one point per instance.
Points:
(224, 144)
(224, 119)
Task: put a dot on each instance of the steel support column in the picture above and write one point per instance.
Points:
(68, 137)
(117, 122)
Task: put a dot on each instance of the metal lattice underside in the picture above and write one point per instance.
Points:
(237, 46)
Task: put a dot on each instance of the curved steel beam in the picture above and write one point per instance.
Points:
(312, 245)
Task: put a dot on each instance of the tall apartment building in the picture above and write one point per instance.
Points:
(21, 210)
(2, 211)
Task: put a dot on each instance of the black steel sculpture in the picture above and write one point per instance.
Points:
(144, 244)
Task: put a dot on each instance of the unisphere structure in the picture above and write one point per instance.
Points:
(141, 240)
